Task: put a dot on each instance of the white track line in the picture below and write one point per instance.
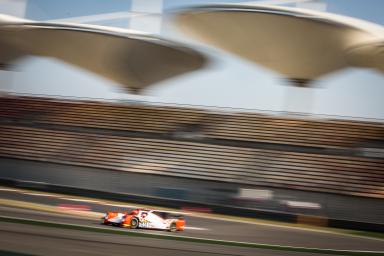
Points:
(195, 228)
(9, 189)
(119, 205)
(80, 200)
(38, 194)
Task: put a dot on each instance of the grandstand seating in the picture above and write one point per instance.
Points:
(102, 115)
(313, 172)
(50, 130)
(315, 133)
(240, 127)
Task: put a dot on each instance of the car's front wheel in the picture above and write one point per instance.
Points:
(134, 223)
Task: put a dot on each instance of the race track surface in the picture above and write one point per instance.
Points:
(44, 240)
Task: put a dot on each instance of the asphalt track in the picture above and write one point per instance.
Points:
(50, 241)
(43, 240)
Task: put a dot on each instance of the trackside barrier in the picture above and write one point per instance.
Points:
(177, 203)
(312, 220)
(356, 225)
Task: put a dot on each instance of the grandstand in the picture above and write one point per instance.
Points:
(249, 149)
(235, 126)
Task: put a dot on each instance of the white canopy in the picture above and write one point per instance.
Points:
(127, 57)
(299, 44)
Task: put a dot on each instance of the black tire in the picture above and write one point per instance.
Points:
(134, 223)
(172, 227)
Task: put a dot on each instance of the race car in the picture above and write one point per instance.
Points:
(147, 219)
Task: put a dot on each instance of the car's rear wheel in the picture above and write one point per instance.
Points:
(172, 227)
(134, 223)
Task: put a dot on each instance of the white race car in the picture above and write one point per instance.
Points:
(142, 218)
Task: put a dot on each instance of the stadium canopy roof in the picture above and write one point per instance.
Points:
(302, 45)
(127, 57)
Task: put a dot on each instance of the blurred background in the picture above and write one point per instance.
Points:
(232, 138)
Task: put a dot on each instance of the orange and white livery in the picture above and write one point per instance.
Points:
(147, 219)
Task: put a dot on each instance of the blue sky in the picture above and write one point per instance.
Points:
(229, 81)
